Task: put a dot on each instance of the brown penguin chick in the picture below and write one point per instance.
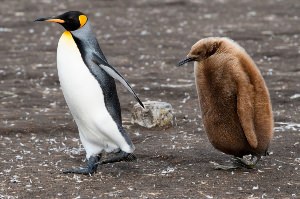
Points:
(234, 100)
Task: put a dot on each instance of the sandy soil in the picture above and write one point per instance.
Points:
(144, 40)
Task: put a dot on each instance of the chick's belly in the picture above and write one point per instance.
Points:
(224, 130)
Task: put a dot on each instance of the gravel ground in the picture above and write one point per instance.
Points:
(144, 40)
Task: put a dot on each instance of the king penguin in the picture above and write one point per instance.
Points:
(234, 100)
(88, 84)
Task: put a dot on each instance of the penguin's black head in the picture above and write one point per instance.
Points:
(71, 20)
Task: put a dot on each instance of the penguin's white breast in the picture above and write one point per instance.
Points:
(81, 90)
(85, 99)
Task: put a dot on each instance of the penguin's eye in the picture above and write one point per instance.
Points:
(199, 53)
(72, 19)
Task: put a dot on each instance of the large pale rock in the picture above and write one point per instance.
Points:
(155, 114)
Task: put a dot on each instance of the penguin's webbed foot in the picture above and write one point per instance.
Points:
(238, 163)
(248, 164)
(218, 166)
(91, 168)
(121, 156)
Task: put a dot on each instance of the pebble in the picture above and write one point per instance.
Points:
(155, 114)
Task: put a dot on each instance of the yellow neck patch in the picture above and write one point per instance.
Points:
(82, 19)
(67, 34)
(67, 38)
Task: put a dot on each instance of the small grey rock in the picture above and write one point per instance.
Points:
(155, 114)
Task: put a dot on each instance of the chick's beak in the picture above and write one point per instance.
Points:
(186, 60)
(51, 19)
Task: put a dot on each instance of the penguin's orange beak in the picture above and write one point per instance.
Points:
(50, 19)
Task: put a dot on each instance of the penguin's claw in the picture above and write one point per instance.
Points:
(121, 156)
(89, 170)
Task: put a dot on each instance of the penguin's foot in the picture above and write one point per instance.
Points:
(89, 170)
(121, 156)
(244, 163)
(238, 163)
(218, 166)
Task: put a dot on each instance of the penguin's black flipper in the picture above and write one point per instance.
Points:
(91, 168)
(115, 74)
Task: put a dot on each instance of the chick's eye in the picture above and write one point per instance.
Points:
(199, 53)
